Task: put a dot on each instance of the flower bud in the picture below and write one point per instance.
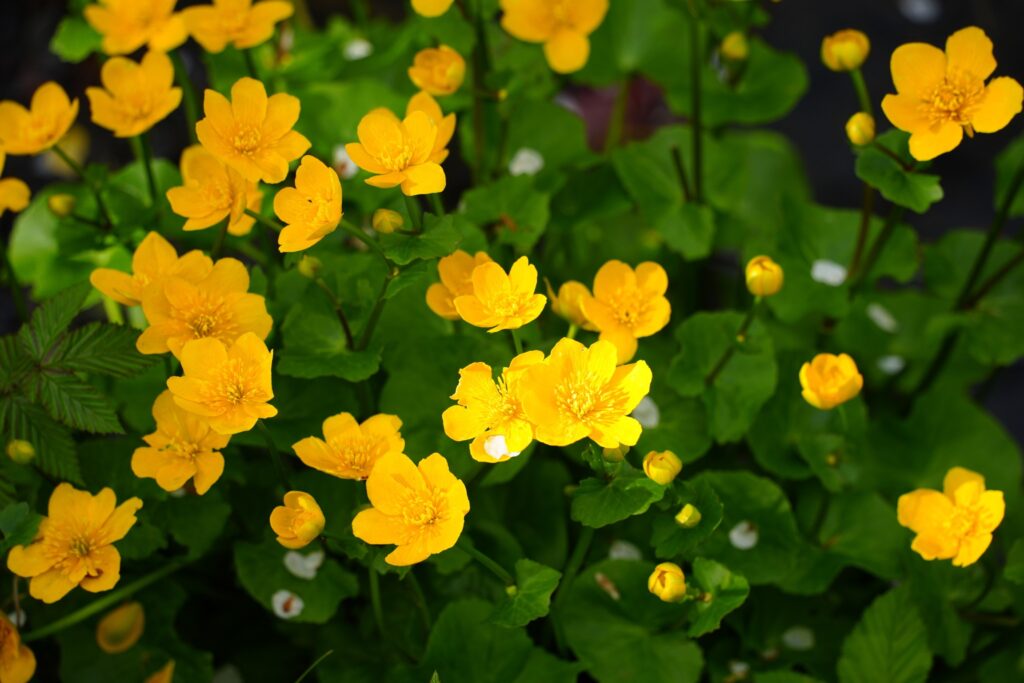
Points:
(764, 276)
(298, 521)
(386, 221)
(309, 266)
(688, 517)
(616, 454)
(121, 628)
(860, 128)
(668, 582)
(438, 70)
(61, 205)
(662, 466)
(734, 47)
(845, 50)
(20, 451)
(829, 380)
(431, 8)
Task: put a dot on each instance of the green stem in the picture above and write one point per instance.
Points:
(188, 94)
(378, 611)
(573, 329)
(74, 166)
(252, 252)
(336, 303)
(684, 182)
(415, 215)
(264, 221)
(113, 311)
(108, 600)
(862, 91)
(378, 309)
(572, 568)
(370, 243)
(314, 665)
(144, 156)
(867, 209)
(617, 123)
(218, 244)
(250, 64)
(517, 343)
(877, 247)
(421, 600)
(908, 167)
(741, 335)
(437, 205)
(988, 285)
(487, 562)
(696, 74)
(480, 66)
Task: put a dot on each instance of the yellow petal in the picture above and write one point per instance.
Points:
(1002, 101)
(904, 112)
(917, 68)
(567, 51)
(931, 142)
(958, 476)
(970, 50)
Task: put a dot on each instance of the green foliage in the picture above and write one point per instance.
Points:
(888, 644)
(531, 598)
(887, 166)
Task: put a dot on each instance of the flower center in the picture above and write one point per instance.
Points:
(247, 140)
(355, 453)
(80, 546)
(236, 383)
(954, 99)
(207, 316)
(422, 510)
(629, 307)
(396, 157)
(962, 522)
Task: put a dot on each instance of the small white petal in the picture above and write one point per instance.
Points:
(18, 618)
(624, 550)
(743, 536)
(178, 493)
(828, 272)
(921, 11)
(287, 605)
(303, 566)
(881, 316)
(568, 102)
(358, 48)
(343, 164)
(287, 38)
(647, 413)
(496, 447)
(526, 161)
(798, 638)
(892, 365)
(739, 669)
(228, 673)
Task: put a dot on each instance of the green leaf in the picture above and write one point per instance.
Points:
(1007, 163)
(52, 319)
(597, 502)
(689, 231)
(439, 238)
(102, 348)
(74, 402)
(1014, 570)
(195, 522)
(888, 645)
(908, 188)
(14, 362)
(519, 211)
(75, 40)
(535, 583)
(19, 524)
(671, 539)
(314, 344)
(723, 593)
(55, 450)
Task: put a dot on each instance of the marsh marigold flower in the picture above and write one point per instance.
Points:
(229, 387)
(438, 70)
(502, 301)
(14, 193)
(845, 50)
(239, 23)
(252, 133)
(399, 152)
(764, 276)
(425, 102)
(299, 521)
(490, 412)
(667, 582)
(349, 450)
(830, 380)
(688, 516)
(956, 523)
(154, 261)
(183, 447)
(74, 545)
(942, 95)
(127, 25)
(217, 306)
(860, 129)
(456, 271)
(563, 26)
(662, 466)
(431, 8)
(628, 304)
(42, 125)
(211, 191)
(568, 303)
(17, 662)
(121, 628)
(419, 508)
(312, 209)
(134, 96)
(580, 392)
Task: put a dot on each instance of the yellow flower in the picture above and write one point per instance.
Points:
(127, 25)
(420, 509)
(424, 102)
(386, 221)
(399, 152)
(75, 145)
(562, 25)
(579, 392)
(74, 544)
(734, 46)
(845, 50)
(164, 674)
(662, 466)
(568, 303)
(312, 209)
(21, 451)
(490, 412)
(155, 260)
(431, 8)
(500, 301)
(183, 447)
(17, 662)
(239, 23)
(229, 387)
(42, 125)
(628, 304)
(438, 70)
(860, 129)
(252, 133)
(943, 95)
(830, 380)
(299, 521)
(121, 628)
(456, 271)
(211, 191)
(134, 97)
(349, 450)
(218, 306)
(956, 523)
(764, 276)
(667, 582)
(688, 517)
(14, 194)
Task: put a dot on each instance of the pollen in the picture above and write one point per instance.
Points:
(246, 140)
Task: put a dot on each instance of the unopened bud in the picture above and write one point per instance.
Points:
(662, 466)
(20, 451)
(309, 266)
(616, 454)
(61, 205)
(386, 221)
(734, 47)
(860, 128)
(688, 517)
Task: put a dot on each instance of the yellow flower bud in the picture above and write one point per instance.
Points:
(830, 380)
(668, 582)
(298, 521)
(860, 128)
(386, 221)
(61, 205)
(616, 454)
(309, 266)
(662, 466)
(845, 50)
(503, 94)
(121, 628)
(431, 8)
(688, 517)
(764, 276)
(734, 47)
(438, 70)
(20, 451)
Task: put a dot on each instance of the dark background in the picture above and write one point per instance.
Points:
(797, 25)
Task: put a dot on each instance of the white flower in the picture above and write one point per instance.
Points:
(738, 669)
(743, 536)
(287, 605)
(881, 316)
(892, 365)
(526, 161)
(357, 48)
(624, 550)
(18, 618)
(921, 11)
(647, 413)
(303, 566)
(496, 447)
(828, 272)
(798, 638)
(343, 163)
